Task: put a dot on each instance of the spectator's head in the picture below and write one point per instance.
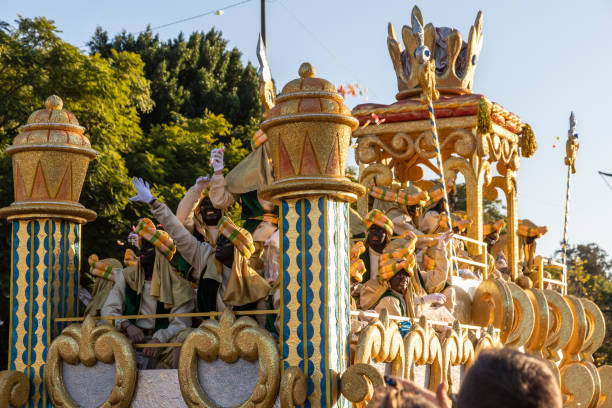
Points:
(398, 397)
(509, 378)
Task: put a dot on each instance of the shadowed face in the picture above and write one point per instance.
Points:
(147, 254)
(377, 238)
(224, 252)
(210, 214)
(399, 282)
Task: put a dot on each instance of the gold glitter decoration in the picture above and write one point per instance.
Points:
(457, 350)
(493, 304)
(293, 388)
(382, 342)
(230, 339)
(14, 388)
(88, 344)
(50, 157)
(359, 381)
(309, 133)
(524, 317)
(423, 348)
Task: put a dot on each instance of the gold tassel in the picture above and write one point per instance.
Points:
(528, 142)
(484, 117)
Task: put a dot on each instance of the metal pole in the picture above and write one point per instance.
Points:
(571, 150)
(427, 81)
(263, 22)
(567, 202)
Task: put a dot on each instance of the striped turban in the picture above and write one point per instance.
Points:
(377, 217)
(158, 238)
(240, 237)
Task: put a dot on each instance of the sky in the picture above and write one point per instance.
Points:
(540, 60)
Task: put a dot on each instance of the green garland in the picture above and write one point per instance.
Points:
(527, 142)
(484, 117)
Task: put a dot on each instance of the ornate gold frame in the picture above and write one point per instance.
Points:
(230, 339)
(14, 388)
(88, 344)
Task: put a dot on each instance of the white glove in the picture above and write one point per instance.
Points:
(144, 191)
(467, 274)
(133, 239)
(434, 298)
(444, 239)
(203, 182)
(273, 240)
(216, 159)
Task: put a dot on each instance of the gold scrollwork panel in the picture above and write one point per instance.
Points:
(493, 304)
(524, 317)
(14, 389)
(359, 381)
(536, 341)
(578, 385)
(293, 388)
(605, 376)
(457, 350)
(230, 339)
(382, 342)
(423, 347)
(88, 344)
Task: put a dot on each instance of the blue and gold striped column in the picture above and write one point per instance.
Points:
(44, 286)
(50, 156)
(315, 294)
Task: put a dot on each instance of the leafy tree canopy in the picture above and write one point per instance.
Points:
(191, 76)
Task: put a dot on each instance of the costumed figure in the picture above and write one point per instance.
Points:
(413, 200)
(399, 288)
(379, 231)
(151, 287)
(240, 285)
(496, 267)
(103, 272)
(198, 215)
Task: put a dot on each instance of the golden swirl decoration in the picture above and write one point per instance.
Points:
(488, 339)
(500, 147)
(88, 344)
(359, 381)
(373, 148)
(524, 317)
(423, 347)
(230, 339)
(579, 385)
(575, 344)
(14, 389)
(596, 330)
(605, 375)
(541, 322)
(382, 342)
(461, 141)
(560, 331)
(457, 349)
(293, 388)
(377, 174)
(492, 304)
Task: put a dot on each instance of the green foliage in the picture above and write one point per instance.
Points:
(590, 276)
(191, 76)
(492, 210)
(151, 109)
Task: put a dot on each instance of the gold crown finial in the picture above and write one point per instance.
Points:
(54, 102)
(455, 59)
(307, 70)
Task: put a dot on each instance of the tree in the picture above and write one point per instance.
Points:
(590, 276)
(190, 77)
(105, 94)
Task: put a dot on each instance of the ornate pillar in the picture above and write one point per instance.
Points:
(309, 132)
(50, 158)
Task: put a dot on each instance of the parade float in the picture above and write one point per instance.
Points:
(437, 124)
